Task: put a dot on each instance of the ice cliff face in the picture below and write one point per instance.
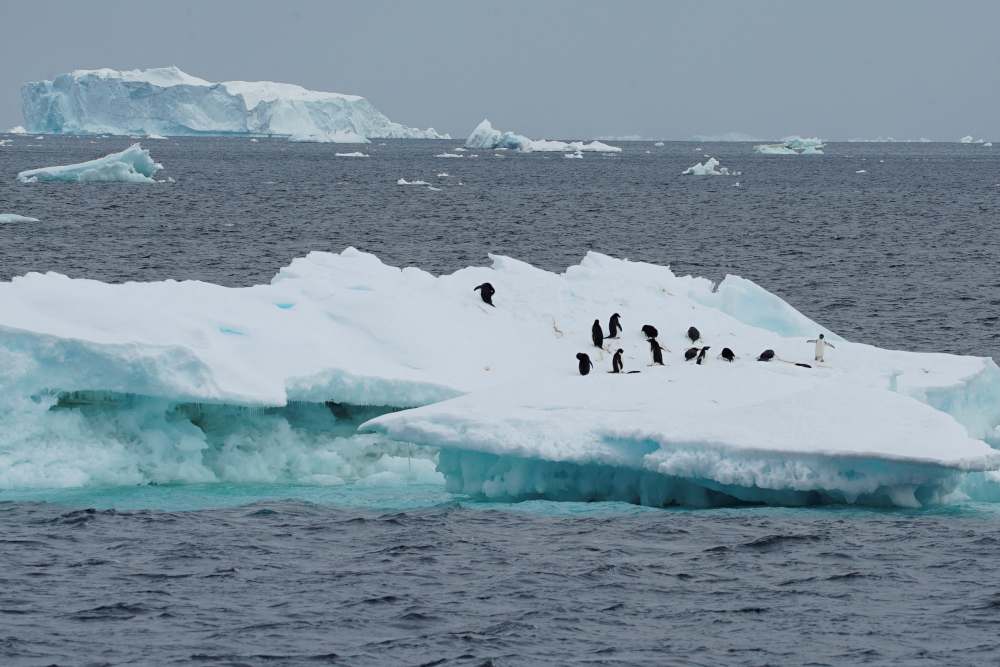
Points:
(168, 101)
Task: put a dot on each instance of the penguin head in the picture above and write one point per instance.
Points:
(821, 336)
(619, 351)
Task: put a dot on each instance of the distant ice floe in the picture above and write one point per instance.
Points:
(484, 136)
(725, 137)
(155, 136)
(403, 181)
(794, 145)
(337, 137)
(5, 142)
(354, 154)
(709, 168)
(17, 129)
(13, 217)
(132, 165)
(861, 171)
(969, 139)
(659, 144)
(577, 155)
(449, 155)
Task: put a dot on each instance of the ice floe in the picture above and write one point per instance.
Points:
(485, 136)
(709, 167)
(132, 165)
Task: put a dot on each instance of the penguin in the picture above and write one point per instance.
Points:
(597, 335)
(701, 355)
(727, 354)
(614, 326)
(766, 355)
(584, 362)
(649, 331)
(486, 291)
(616, 361)
(821, 344)
(690, 353)
(657, 351)
(694, 334)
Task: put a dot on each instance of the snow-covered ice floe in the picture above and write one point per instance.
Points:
(13, 217)
(709, 167)
(333, 372)
(167, 101)
(485, 136)
(794, 145)
(132, 165)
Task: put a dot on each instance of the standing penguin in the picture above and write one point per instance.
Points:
(649, 331)
(690, 353)
(701, 355)
(597, 335)
(766, 355)
(657, 351)
(821, 345)
(616, 361)
(727, 354)
(585, 363)
(486, 291)
(694, 334)
(614, 326)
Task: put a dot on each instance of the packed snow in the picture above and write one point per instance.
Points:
(132, 165)
(189, 381)
(485, 136)
(13, 217)
(167, 101)
(794, 145)
(709, 167)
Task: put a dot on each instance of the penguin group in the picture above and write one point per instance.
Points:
(696, 353)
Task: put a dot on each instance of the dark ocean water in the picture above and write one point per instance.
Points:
(905, 255)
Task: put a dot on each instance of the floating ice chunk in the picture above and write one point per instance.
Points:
(335, 137)
(5, 142)
(793, 145)
(431, 187)
(861, 171)
(969, 139)
(13, 217)
(988, 144)
(448, 155)
(443, 174)
(403, 181)
(774, 149)
(354, 154)
(459, 149)
(132, 165)
(17, 129)
(155, 136)
(577, 155)
(659, 143)
(253, 140)
(168, 101)
(709, 168)
(485, 136)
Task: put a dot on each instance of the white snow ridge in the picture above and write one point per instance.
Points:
(189, 381)
(167, 101)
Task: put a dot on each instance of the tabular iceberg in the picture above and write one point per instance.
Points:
(167, 101)
(486, 137)
(132, 165)
(188, 381)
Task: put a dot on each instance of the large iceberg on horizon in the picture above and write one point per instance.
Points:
(189, 381)
(169, 102)
(793, 145)
(484, 136)
(132, 165)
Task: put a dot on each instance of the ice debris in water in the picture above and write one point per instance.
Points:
(794, 145)
(13, 217)
(709, 168)
(354, 154)
(659, 143)
(168, 101)
(132, 165)
(969, 139)
(485, 136)
(448, 155)
(403, 181)
(138, 382)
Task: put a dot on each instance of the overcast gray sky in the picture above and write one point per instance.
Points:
(671, 69)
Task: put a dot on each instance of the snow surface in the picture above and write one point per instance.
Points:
(168, 101)
(709, 168)
(512, 420)
(132, 165)
(13, 217)
(485, 136)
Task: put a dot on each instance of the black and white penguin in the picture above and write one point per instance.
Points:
(616, 361)
(649, 331)
(486, 291)
(584, 362)
(766, 355)
(701, 355)
(690, 353)
(727, 354)
(657, 351)
(597, 335)
(694, 334)
(614, 326)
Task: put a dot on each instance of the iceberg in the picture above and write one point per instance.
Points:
(485, 136)
(302, 378)
(709, 168)
(794, 145)
(969, 139)
(13, 217)
(132, 165)
(169, 102)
